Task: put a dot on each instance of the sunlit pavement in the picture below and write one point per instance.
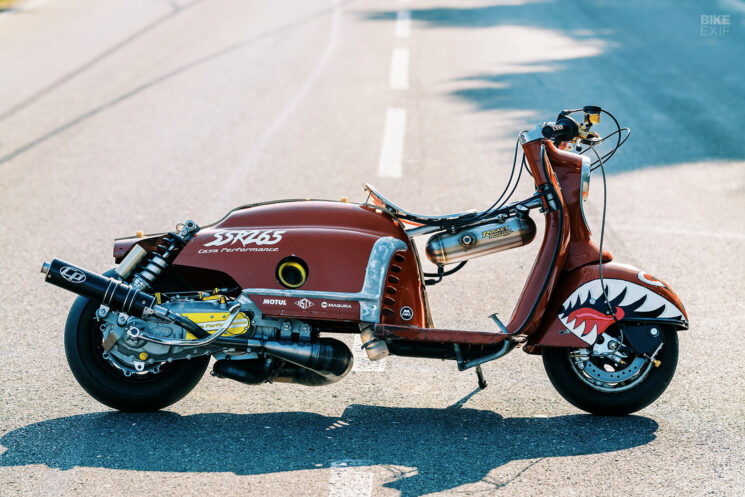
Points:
(124, 116)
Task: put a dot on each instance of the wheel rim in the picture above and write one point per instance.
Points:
(607, 373)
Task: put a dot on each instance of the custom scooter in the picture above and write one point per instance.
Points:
(260, 289)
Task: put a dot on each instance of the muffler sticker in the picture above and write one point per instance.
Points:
(72, 274)
(585, 312)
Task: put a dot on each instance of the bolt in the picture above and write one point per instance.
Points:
(654, 332)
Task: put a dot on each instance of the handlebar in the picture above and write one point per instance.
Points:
(565, 129)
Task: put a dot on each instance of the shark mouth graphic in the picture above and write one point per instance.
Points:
(586, 315)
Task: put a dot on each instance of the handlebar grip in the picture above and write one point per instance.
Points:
(552, 130)
(562, 130)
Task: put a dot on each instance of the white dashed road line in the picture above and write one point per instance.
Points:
(400, 69)
(362, 362)
(403, 24)
(350, 482)
(392, 151)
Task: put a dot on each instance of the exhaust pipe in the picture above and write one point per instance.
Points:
(315, 364)
(113, 293)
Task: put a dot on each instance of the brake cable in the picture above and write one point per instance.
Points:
(602, 234)
(441, 272)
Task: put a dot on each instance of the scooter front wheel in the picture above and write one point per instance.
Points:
(602, 385)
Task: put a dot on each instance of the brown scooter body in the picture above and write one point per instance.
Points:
(321, 266)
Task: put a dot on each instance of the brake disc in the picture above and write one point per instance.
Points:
(615, 376)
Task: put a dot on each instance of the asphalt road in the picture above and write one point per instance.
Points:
(135, 115)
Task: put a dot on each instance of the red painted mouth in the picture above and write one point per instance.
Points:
(592, 317)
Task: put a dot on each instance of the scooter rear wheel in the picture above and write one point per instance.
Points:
(641, 382)
(108, 384)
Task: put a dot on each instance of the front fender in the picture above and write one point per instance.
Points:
(577, 312)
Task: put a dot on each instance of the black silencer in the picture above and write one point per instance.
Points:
(113, 293)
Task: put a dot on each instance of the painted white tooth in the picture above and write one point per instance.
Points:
(651, 303)
(579, 292)
(570, 324)
(609, 289)
(571, 300)
(612, 288)
(591, 337)
(589, 293)
(632, 295)
(670, 312)
(598, 290)
(578, 330)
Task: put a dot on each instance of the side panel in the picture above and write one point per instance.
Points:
(338, 241)
(577, 313)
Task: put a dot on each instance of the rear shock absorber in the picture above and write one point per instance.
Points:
(159, 260)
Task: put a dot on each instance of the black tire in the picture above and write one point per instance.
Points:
(107, 384)
(568, 383)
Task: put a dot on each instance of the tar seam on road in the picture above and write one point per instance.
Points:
(288, 109)
(165, 77)
(392, 151)
(95, 60)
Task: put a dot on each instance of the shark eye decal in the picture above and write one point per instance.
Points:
(650, 280)
(586, 314)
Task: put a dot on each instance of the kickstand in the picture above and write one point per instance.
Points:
(480, 374)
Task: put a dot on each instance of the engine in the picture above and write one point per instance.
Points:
(140, 332)
(124, 339)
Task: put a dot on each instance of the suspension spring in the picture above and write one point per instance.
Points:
(159, 260)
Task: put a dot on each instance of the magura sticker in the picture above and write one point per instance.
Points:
(406, 313)
(245, 237)
(335, 305)
(586, 314)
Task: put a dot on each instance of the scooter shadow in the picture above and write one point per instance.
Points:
(448, 447)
